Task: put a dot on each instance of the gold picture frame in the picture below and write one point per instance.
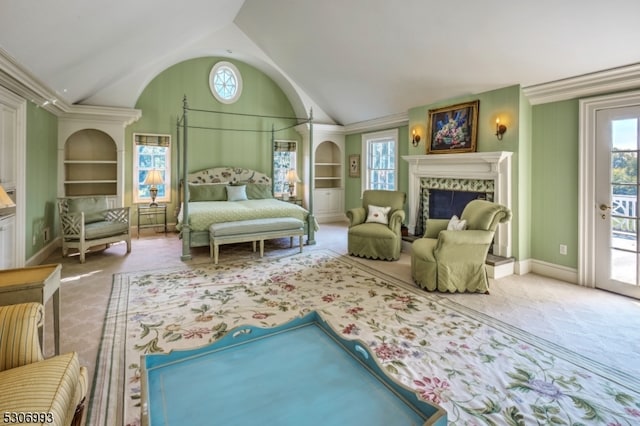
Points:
(354, 165)
(453, 129)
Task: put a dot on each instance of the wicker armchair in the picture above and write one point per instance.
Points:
(88, 222)
(34, 390)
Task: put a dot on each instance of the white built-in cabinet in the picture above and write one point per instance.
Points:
(7, 241)
(91, 145)
(328, 176)
(12, 150)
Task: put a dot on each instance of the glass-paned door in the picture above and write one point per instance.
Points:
(618, 144)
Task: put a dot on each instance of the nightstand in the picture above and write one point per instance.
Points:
(297, 201)
(151, 213)
(34, 284)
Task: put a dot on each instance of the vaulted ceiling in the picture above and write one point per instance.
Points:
(351, 60)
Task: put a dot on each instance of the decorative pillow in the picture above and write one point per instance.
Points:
(207, 192)
(455, 224)
(259, 191)
(378, 214)
(91, 206)
(236, 193)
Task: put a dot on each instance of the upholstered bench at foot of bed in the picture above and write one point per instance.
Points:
(253, 230)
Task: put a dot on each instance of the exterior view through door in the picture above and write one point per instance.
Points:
(617, 146)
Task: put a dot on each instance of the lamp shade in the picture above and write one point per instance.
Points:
(5, 200)
(292, 176)
(154, 177)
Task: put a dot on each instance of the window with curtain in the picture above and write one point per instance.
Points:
(380, 150)
(284, 159)
(151, 152)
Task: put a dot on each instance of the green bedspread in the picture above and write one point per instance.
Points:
(203, 214)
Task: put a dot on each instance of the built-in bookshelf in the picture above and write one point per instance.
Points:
(90, 164)
(328, 165)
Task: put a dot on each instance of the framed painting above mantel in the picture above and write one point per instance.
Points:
(453, 129)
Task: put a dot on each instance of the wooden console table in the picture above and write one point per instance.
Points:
(34, 284)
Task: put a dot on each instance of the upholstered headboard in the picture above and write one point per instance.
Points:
(227, 175)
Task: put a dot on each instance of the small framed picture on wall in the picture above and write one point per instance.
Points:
(354, 165)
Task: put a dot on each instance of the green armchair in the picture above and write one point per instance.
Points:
(454, 261)
(374, 229)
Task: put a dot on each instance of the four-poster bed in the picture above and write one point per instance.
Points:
(203, 194)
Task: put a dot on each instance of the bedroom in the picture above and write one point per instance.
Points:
(545, 138)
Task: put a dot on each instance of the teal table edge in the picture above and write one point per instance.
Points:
(243, 337)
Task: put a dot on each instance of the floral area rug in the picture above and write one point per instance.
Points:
(481, 371)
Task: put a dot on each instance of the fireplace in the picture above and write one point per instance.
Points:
(486, 173)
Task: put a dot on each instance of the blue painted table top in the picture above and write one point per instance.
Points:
(301, 373)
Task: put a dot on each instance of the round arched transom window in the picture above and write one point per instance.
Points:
(225, 82)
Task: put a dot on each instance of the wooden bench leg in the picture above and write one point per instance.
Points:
(300, 242)
(216, 251)
(261, 248)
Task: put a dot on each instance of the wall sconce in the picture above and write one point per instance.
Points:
(500, 129)
(415, 137)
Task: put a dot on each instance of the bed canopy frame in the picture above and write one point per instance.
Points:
(183, 166)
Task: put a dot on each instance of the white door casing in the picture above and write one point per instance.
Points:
(593, 229)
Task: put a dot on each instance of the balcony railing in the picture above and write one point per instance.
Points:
(623, 214)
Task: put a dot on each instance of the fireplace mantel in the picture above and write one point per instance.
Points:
(477, 165)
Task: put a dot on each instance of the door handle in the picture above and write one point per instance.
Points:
(604, 207)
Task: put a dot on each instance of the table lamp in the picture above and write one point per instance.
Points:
(153, 178)
(292, 178)
(5, 200)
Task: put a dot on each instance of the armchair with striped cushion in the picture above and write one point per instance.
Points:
(52, 389)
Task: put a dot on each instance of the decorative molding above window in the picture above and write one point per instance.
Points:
(225, 82)
(613, 80)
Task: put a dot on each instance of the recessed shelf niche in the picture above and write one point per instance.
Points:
(90, 164)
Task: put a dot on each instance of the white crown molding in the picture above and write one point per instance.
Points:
(21, 82)
(613, 80)
(92, 113)
(395, 120)
(15, 78)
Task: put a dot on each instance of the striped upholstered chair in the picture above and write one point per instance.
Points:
(52, 389)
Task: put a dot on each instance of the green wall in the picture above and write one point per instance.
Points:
(525, 180)
(42, 177)
(544, 139)
(161, 104)
(507, 104)
(353, 186)
(555, 162)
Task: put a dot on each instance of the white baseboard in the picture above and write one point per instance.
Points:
(523, 267)
(332, 218)
(44, 253)
(547, 269)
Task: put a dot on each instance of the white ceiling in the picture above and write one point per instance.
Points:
(351, 60)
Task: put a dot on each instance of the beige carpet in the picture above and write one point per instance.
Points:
(599, 325)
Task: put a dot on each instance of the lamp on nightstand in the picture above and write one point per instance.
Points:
(292, 178)
(153, 178)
